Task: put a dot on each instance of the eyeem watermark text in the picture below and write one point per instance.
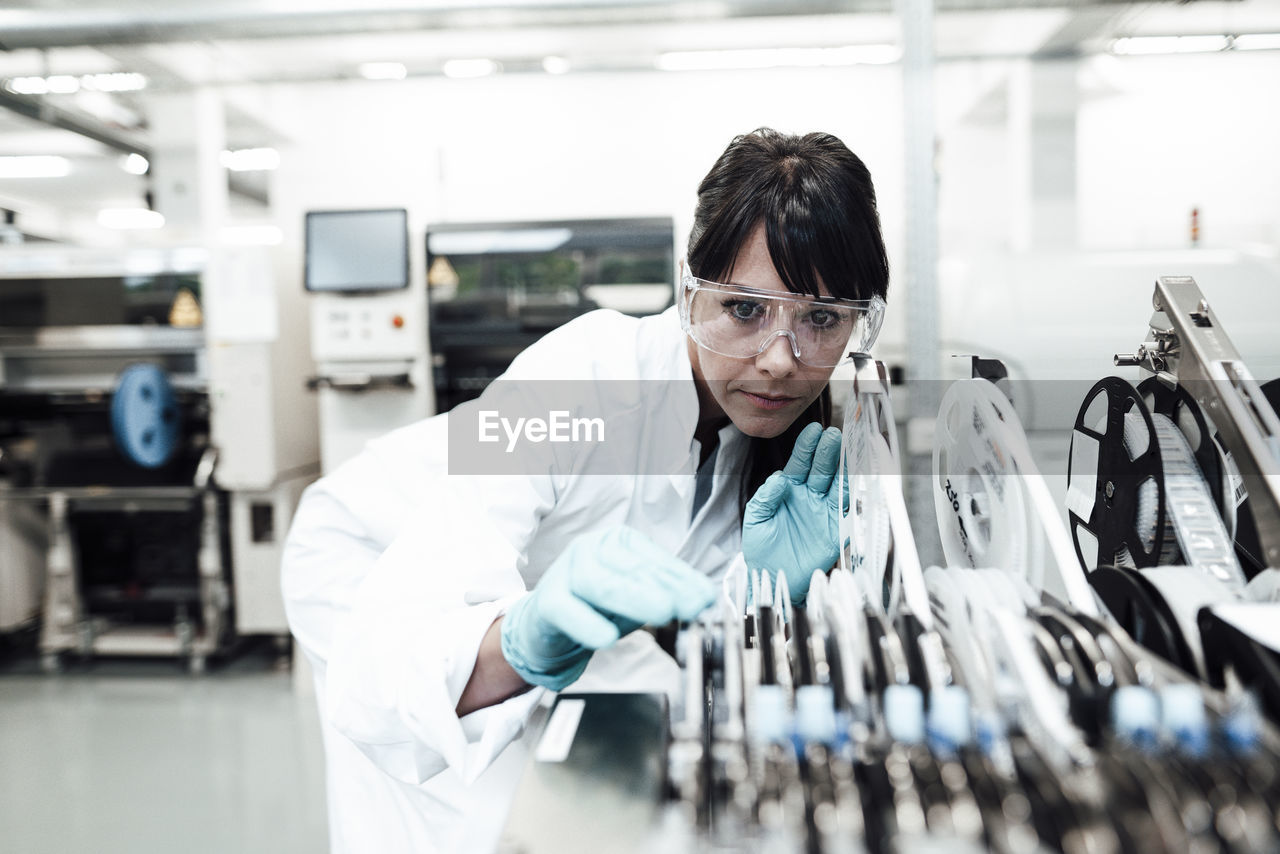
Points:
(558, 426)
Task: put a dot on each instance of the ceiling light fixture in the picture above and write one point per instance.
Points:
(130, 219)
(27, 85)
(556, 65)
(779, 57)
(62, 84)
(67, 84)
(135, 164)
(383, 71)
(1256, 41)
(1153, 45)
(251, 159)
(34, 166)
(115, 81)
(463, 68)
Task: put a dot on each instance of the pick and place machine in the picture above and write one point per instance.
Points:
(153, 445)
(1103, 682)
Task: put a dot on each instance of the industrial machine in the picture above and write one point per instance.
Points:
(1010, 700)
(369, 329)
(495, 288)
(153, 446)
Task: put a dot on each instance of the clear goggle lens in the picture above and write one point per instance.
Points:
(743, 322)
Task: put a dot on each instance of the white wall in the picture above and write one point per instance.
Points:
(542, 147)
(1176, 133)
(1154, 137)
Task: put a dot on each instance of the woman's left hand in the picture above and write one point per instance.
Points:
(792, 523)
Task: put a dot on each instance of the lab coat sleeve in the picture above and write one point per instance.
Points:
(343, 523)
(392, 601)
(403, 655)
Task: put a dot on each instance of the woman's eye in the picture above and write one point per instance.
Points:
(743, 309)
(824, 318)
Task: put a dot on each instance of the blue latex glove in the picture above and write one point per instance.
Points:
(604, 585)
(792, 523)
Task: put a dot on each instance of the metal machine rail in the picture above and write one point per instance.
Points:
(1187, 346)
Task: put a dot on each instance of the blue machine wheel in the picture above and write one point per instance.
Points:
(144, 416)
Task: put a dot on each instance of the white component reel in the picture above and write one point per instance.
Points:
(875, 521)
(994, 510)
(979, 502)
(865, 454)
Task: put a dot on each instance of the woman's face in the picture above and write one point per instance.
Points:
(763, 394)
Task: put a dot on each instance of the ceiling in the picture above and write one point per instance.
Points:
(238, 45)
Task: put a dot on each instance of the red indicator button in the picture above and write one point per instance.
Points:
(397, 321)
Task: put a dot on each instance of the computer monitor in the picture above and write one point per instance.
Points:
(357, 251)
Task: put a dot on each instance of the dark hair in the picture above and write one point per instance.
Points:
(818, 206)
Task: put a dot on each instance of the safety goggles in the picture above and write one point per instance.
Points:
(742, 322)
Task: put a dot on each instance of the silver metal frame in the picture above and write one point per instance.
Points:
(1188, 347)
(65, 627)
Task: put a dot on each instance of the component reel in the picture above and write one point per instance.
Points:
(145, 418)
(1116, 497)
(1211, 457)
(1150, 504)
(978, 497)
(868, 452)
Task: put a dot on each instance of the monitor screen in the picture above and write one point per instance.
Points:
(357, 250)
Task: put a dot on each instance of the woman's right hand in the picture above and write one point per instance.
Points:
(604, 585)
(792, 523)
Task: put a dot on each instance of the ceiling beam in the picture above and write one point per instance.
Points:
(98, 23)
(41, 111)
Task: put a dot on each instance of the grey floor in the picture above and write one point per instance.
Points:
(143, 758)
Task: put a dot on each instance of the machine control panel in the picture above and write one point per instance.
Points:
(382, 326)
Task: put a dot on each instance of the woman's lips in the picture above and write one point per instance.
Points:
(768, 402)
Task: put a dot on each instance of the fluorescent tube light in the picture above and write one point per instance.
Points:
(34, 166)
(63, 84)
(555, 65)
(130, 219)
(1256, 41)
(1151, 45)
(115, 81)
(27, 85)
(460, 68)
(383, 71)
(66, 84)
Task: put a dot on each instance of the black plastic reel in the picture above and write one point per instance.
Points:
(1113, 519)
(1141, 610)
(1254, 664)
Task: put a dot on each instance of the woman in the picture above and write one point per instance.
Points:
(431, 600)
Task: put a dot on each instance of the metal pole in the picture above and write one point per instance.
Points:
(921, 290)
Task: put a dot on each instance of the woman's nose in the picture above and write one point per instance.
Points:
(778, 358)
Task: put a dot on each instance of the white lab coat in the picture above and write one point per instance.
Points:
(394, 570)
